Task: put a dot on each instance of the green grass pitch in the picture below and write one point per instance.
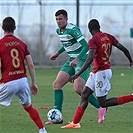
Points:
(119, 119)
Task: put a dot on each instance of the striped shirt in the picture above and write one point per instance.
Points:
(71, 40)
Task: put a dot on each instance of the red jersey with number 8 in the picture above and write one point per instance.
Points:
(102, 43)
(12, 54)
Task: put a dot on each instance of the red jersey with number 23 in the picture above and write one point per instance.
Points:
(12, 54)
(102, 43)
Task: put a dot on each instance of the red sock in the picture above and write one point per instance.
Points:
(125, 99)
(79, 113)
(33, 113)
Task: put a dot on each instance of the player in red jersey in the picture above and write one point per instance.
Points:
(100, 47)
(75, 45)
(14, 82)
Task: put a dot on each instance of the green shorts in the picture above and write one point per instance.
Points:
(73, 70)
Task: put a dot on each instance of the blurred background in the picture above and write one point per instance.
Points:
(36, 25)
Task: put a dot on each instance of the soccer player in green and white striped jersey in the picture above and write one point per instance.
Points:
(76, 47)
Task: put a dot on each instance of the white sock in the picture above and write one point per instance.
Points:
(42, 130)
(99, 108)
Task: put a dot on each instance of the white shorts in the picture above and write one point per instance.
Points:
(19, 87)
(99, 82)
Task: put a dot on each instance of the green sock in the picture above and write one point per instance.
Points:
(58, 99)
(93, 100)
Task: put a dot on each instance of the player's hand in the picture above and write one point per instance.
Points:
(71, 79)
(74, 62)
(131, 64)
(34, 89)
(54, 56)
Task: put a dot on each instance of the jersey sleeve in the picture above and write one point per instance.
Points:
(84, 48)
(27, 52)
(61, 50)
(114, 40)
(92, 43)
(77, 34)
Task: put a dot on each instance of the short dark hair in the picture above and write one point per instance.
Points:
(8, 24)
(61, 11)
(94, 24)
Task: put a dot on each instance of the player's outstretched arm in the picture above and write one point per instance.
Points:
(131, 64)
(34, 88)
(126, 52)
(0, 64)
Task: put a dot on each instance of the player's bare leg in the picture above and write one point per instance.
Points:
(60, 81)
(79, 84)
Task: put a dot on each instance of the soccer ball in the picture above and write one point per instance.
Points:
(54, 115)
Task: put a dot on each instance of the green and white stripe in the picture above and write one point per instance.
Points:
(70, 39)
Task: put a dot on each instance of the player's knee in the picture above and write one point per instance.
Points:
(56, 86)
(26, 105)
(77, 91)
